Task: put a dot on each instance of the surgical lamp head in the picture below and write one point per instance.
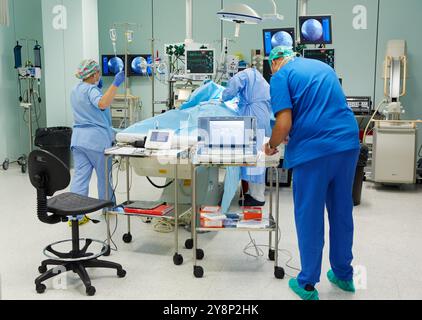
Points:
(239, 13)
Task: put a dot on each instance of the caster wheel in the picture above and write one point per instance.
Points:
(108, 252)
(279, 273)
(200, 254)
(148, 221)
(121, 273)
(271, 255)
(198, 272)
(6, 164)
(21, 161)
(178, 259)
(23, 168)
(127, 238)
(40, 288)
(189, 244)
(42, 269)
(90, 291)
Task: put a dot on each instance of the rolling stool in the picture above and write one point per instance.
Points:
(48, 174)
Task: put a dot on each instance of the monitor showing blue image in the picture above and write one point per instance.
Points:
(316, 30)
(112, 65)
(140, 65)
(278, 37)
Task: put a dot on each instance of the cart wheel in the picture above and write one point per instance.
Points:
(189, 244)
(279, 273)
(22, 161)
(90, 291)
(108, 252)
(271, 255)
(198, 272)
(42, 269)
(121, 273)
(200, 254)
(178, 259)
(6, 164)
(127, 238)
(40, 288)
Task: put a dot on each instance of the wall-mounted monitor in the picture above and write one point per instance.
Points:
(112, 64)
(139, 65)
(278, 37)
(315, 30)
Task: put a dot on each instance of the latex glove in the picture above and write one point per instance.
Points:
(119, 79)
(100, 84)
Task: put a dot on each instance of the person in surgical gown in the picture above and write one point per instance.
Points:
(253, 92)
(92, 130)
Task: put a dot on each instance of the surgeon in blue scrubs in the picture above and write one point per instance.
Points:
(253, 92)
(322, 139)
(92, 130)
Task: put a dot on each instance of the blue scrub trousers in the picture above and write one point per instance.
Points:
(85, 161)
(325, 182)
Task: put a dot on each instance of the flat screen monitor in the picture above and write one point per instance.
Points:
(112, 64)
(227, 131)
(315, 30)
(138, 65)
(278, 37)
(200, 62)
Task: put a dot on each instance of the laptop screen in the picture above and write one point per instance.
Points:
(227, 133)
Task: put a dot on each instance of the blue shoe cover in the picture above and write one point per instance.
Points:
(347, 286)
(302, 293)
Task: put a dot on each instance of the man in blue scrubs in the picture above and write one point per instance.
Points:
(322, 139)
(92, 131)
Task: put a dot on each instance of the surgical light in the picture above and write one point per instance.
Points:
(239, 13)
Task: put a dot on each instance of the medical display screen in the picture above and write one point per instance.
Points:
(161, 137)
(200, 62)
(137, 63)
(315, 30)
(112, 65)
(227, 133)
(278, 37)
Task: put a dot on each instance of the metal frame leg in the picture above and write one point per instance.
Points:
(277, 216)
(270, 244)
(177, 258)
(128, 191)
(106, 210)
(197, 270)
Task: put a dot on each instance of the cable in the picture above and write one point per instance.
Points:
(420, 152)
(372, 118)
(159, 187)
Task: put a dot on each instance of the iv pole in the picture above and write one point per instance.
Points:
(128, 40)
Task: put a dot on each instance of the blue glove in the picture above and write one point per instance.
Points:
(119, 79)
(100, 84)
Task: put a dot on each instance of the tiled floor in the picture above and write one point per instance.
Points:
(388, 255)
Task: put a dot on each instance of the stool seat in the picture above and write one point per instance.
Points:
(71, 204)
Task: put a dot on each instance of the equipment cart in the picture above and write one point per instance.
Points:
(174, 162)
(270, 162)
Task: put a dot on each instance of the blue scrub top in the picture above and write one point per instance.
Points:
(323, 123)
(93, 128)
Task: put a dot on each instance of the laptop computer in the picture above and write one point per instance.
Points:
(227, 140)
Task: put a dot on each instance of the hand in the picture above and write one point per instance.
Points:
(119, 79)
(270, 151)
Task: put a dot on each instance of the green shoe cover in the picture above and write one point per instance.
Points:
(302, 293)
(347, 286)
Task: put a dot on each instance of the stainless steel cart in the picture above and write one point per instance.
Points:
(174, 163)
(273, 227)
